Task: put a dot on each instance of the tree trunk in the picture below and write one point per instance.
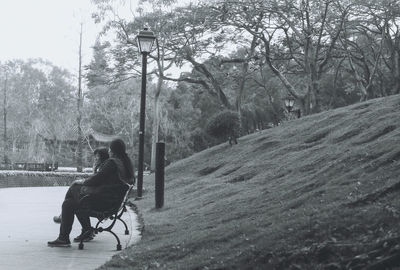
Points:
(156, 123)
(397, 71)
(304, 103)
(240, 90)
(5, 121)
(79, 104)
(14, 149)
(203, 69)
(315, 97)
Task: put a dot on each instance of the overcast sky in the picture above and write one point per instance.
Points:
(47, 29)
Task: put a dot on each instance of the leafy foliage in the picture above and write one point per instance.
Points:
(242, 56)
(39, 104)
(224, 124)
(200, 139)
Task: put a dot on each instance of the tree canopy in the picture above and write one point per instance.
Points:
(212, 56)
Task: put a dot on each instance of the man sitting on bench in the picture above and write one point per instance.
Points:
(106, 188)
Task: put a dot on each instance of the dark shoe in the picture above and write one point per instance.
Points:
(59, 243)
(57, 219)
(86, 235)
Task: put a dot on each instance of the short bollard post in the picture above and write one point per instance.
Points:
(160, 152)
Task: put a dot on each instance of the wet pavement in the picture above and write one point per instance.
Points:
(27, 224)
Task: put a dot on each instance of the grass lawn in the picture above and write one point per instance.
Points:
(320, 192)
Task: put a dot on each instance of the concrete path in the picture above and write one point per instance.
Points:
(27, 225)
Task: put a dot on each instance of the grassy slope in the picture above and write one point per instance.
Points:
(312, 193)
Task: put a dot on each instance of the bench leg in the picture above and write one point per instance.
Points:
(126, 227)
(114, 219)
(109, 229)
(119, 247)
(97, 226)
(80, 246)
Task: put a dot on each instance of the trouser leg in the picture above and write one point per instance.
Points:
(84, 220)
(95, 203)
(83, 214)
(69, 207)
(74, 191)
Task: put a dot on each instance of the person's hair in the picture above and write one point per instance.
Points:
(102, 152)
(118, 148)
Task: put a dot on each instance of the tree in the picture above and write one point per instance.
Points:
(5, 148)
(38, 93)
(23, 84)
(224, 125)
(79, 108)
(298, 37)
(55, 105)
(391, 59)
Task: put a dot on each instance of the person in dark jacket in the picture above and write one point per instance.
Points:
(100, 155)
(106, 187)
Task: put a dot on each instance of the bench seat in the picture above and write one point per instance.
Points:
(110, 214)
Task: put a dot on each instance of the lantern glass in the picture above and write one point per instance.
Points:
(145, 40)
(289, 102)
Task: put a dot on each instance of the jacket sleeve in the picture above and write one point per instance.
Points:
(100, 178)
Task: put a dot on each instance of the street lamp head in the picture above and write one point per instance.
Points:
(145, 40)
(289, 103)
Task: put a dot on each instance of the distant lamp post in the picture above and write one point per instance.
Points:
(289, 103)
(145, 41)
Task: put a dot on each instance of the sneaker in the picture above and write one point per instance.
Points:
(59, 243)
(86, 235)
(57, 219)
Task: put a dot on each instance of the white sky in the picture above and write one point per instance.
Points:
(48, 29)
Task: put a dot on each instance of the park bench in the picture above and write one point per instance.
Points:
(113, 214)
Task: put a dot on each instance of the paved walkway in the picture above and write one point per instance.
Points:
(27, 225)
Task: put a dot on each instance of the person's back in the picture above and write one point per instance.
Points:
(129, 179)
(110, 182)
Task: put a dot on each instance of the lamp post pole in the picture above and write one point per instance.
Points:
(141, 128)
(145, 42)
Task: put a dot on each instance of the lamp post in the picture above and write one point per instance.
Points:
(145, 40)
(289, 103)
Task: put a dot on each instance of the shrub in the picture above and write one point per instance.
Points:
(199, 140)
(223, 125)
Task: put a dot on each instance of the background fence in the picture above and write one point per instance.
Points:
(38, 179)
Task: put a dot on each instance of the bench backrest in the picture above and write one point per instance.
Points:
(126, 197)
(117, 208)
